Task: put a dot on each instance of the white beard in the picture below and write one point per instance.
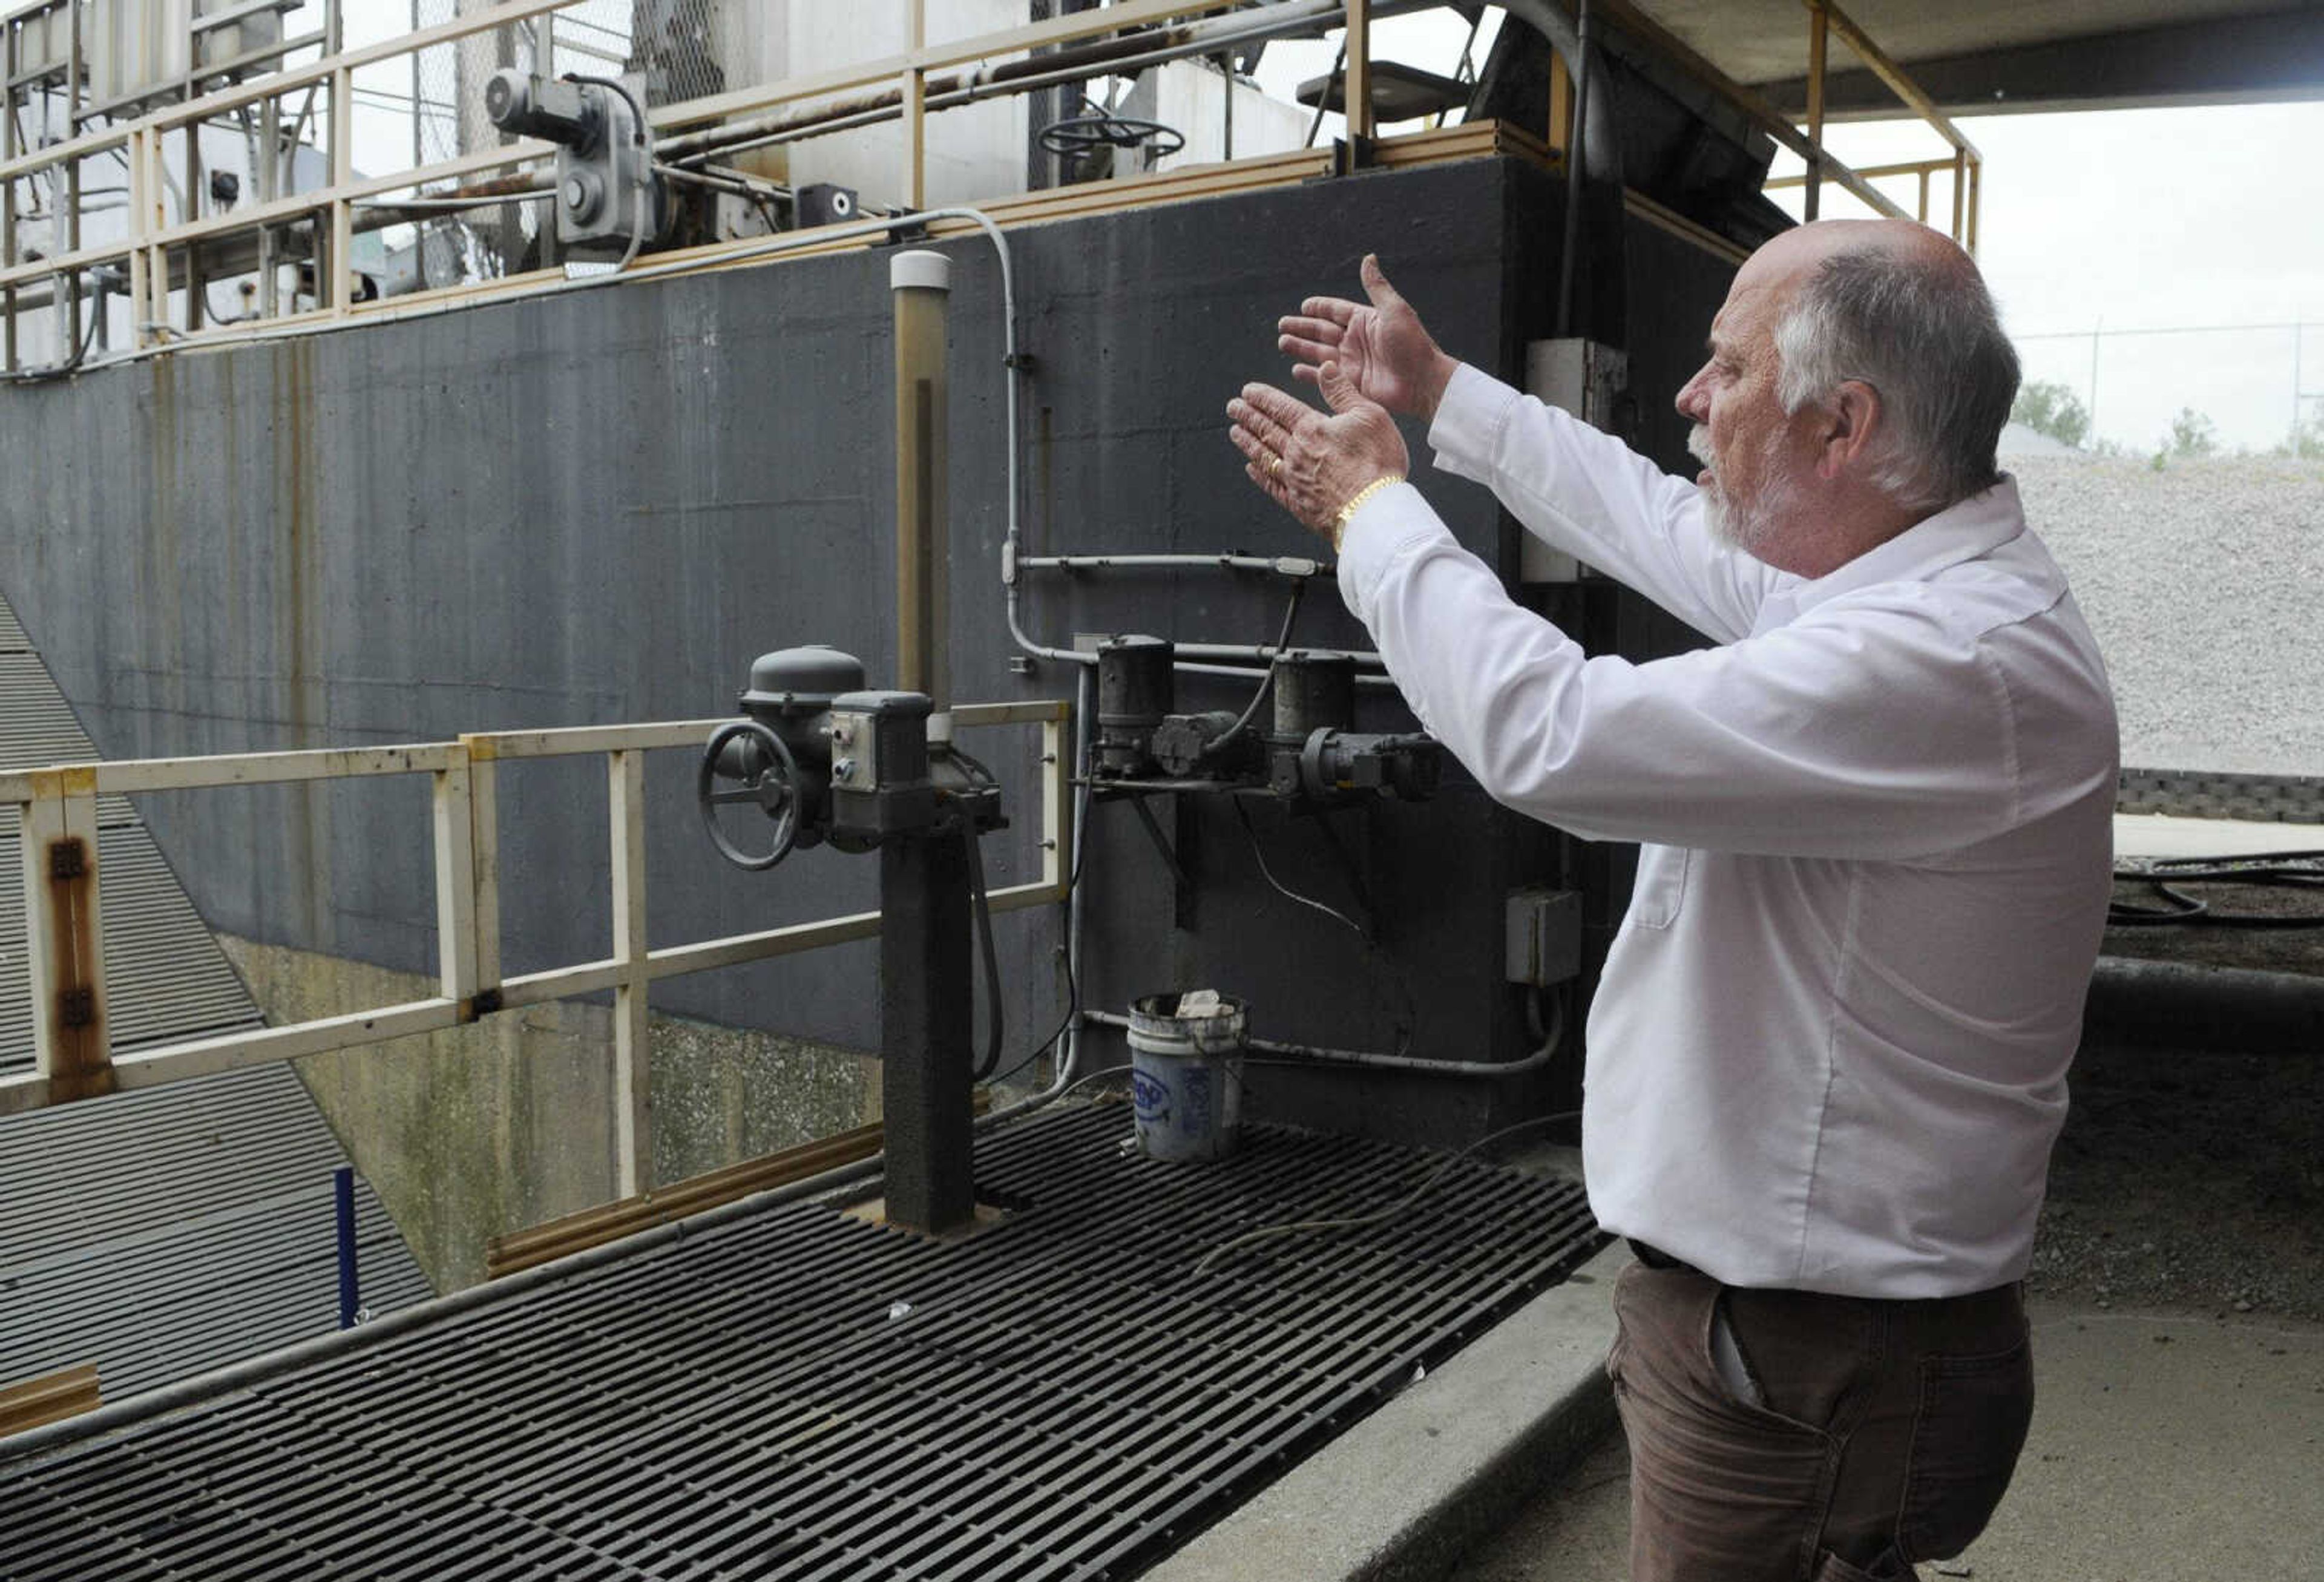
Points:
(1748, 523)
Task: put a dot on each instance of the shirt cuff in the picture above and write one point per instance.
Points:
(1376, 536)
(1469, 416)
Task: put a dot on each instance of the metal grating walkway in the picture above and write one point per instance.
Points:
(800, 1393)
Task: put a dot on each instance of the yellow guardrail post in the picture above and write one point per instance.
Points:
(63, 934)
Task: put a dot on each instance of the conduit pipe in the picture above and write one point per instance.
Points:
(1373, 1060)
(921, 281)
(1597, 153)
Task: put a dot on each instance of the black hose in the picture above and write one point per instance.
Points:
(1073, 884)
(995, 1018)
(1598, 156)
(2298, 870)
(1571, 241)
(56, 371)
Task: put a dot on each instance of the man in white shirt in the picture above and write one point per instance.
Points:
(1827, 1057)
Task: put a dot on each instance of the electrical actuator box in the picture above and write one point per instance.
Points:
(608, 198)
(1545, 936)
(823, 203)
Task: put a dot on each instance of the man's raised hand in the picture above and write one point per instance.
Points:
(1309, 463)
(1383, 349)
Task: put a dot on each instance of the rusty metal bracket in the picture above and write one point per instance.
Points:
(68, 859)
(75, 1007)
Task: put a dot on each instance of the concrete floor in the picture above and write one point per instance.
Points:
(2155, 835)
(2165, 1448)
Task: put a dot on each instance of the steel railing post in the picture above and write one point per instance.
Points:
(625, 786)
(456, 886)
(64, 934)
(484, 848)
(1817, 24)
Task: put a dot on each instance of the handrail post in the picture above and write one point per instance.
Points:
(341, 285)
(456, 887)
(1960, 191)
(484, 844)
(1975, 177)
(914, 87)
(1356, 88)
(1056, 808)
(1818, 26)
(64, 934)
(625, 786)
(137, 259)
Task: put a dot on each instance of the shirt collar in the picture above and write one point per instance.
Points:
(1974, 527)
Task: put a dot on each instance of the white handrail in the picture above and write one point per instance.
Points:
(56, 811)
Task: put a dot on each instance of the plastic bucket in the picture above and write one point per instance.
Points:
(1185, 1074)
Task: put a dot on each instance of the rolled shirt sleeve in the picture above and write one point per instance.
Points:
(1592, 496)
(1876, 729)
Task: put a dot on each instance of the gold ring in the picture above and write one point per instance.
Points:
(1274, 465)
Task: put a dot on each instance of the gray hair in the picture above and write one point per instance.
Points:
(1927, 337)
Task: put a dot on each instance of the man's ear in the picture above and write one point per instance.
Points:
(1850, 423)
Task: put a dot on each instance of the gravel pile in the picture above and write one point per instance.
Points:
(2188, 1179)
(2204, 585)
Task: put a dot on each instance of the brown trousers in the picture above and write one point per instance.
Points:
(1861, 1435)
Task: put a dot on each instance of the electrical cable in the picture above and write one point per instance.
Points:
(1242, 721)
(1297, 1226)
(641, 137)
(2299, 870)
(1071, 1017)
(1403, 979)
(65, 369)
(1072, 967)
(995, 1017)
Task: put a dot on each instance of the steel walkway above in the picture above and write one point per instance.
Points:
(800, 1392)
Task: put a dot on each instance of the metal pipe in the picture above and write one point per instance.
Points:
(2183, 1006)
(1576, 150)
(1371, 1059)
(1598, 152)
(921, 281)
(1290, 566)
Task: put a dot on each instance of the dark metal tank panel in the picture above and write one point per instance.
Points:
(600, 505)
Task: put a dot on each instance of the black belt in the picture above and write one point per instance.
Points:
(2004, 1300)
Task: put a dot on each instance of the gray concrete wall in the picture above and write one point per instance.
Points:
(506, 1122)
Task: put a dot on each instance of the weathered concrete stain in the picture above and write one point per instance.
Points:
(506, 1122)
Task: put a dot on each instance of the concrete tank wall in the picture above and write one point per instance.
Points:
(598, 505)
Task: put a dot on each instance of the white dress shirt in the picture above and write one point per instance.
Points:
(1829, 1049)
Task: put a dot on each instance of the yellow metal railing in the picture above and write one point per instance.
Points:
(154, 251)
(1825, 22)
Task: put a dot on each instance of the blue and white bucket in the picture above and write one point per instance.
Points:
(1185, 1073)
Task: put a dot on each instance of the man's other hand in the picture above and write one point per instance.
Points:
(1309, 464)
(1386, 354)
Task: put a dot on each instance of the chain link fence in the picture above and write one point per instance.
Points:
(2186, 389)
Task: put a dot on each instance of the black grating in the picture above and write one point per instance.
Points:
(800, 1393)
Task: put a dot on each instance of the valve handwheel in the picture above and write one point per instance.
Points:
(767, 778)
(1083, 136)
